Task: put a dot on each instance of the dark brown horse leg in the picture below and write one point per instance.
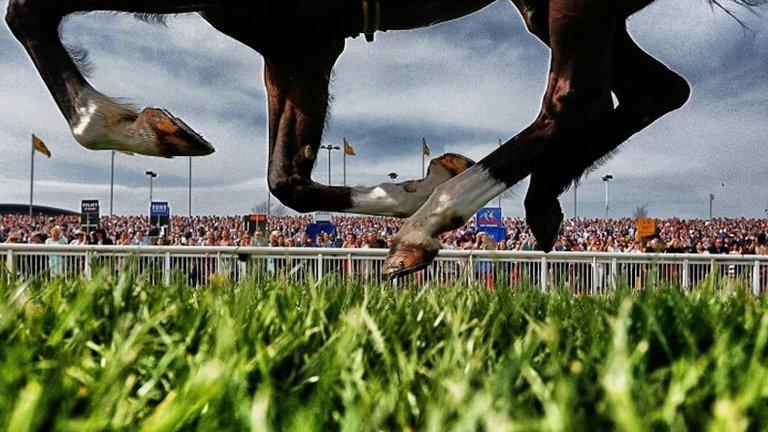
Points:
(646, 91)
(297, 82)
(575, 105)
(97, 121)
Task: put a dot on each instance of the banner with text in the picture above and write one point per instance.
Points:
(159, 214)
(489, 220)
(89, 214)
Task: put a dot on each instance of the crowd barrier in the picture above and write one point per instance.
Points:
(581, 272)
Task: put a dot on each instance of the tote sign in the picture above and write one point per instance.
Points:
(89, 214)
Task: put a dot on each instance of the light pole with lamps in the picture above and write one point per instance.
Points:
(112, 186)
(190, 187)
(152, 175)
(500, 144)
(330, 148)
(575, 199)
(711, 200)
(607, 178)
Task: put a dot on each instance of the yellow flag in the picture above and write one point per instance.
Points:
(39, 146)
(348, 150)
(425, 147)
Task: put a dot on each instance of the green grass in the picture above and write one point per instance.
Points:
(125, 354)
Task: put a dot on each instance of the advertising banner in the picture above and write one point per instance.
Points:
(89, 215)
(489, 220)
(159, 214)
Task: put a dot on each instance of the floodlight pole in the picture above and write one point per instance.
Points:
(190, 187)
(32, 180)
(500, 194)
(112, 186)
(575, 200)
(330, 148)
(151, 175)
(607, 178)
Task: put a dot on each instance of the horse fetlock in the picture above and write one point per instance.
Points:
(404, 199)
(290, 190)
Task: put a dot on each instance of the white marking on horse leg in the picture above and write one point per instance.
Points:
(85, 115)
(103, 123)
(451, 205)
(390, 199)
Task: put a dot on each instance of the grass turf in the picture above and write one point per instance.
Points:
(126, 354)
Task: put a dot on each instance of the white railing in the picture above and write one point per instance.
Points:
(583, 273)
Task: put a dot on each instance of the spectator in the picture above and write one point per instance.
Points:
(56, 262)
(139, 239)
(738, 236)
(80, 239)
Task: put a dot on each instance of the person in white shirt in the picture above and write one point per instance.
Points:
(56, 262)
(80, 239)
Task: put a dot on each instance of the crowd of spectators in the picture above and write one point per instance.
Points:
(718, 236)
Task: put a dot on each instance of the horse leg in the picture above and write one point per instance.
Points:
(575, 105)
(96, 121)
(297, 80)
(646, 90)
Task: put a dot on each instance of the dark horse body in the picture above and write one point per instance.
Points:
(593, 57)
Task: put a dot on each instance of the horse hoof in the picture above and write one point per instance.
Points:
(545, 223)
(454, 163)
(174, 137)
(405, 258)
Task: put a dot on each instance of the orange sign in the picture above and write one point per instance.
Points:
(645, 227)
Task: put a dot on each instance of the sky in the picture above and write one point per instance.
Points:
(462, 85)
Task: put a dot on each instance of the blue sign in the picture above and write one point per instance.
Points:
(489, 221)
(160, 209)
(159, 214)
(314, 229)
(489, 217)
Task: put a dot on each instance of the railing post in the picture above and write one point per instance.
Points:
(350, 272)
(756, 278)
(686, 275)
(87, 271)
(544, 274)
(319, 272)
(9, 265)
(614, 273)
(167, 269)
(595, 276)
(471, 272)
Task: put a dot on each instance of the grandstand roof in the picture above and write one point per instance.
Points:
(24, 209)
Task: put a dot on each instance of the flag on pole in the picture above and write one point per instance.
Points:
(39, 146)
(425, 148)
(348, 150)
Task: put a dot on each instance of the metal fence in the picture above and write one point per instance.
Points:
(582, 273)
